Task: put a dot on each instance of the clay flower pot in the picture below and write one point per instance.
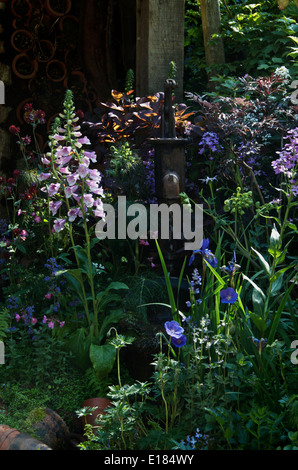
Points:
(21, 9)
(45, 51)
(21, 40)
(56, 70)
(7, 435)
(58, 8)
(50, 428)
(12, 439)
(24, 67)
(101, 405)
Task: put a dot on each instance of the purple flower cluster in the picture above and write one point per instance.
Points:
(175, 331)
(197, 442)
(194, 287)
(210, 141)
(69, 176)
(288, 160)
(150, 176)
(227, 296)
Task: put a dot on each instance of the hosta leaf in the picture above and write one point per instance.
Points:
(103, 358)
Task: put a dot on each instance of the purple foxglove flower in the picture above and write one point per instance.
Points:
(70, 191)
(93, 186)
(44, 176)
(98, 210)
(91, 156)
(82, 170)
(58, 137)
(228, 296)
(173, 329)
(64, 160)
(72, 179)
(94, 175)
(45, 161)
(88, 200)
(64, 170)
(77, 198)
(59, 224)
(63, 151)
(84, 140)
(53, 189)
(72, 214)
(54, 206)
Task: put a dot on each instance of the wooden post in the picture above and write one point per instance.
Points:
(214, 52)
(160, 40)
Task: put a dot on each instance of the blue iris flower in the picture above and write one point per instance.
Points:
(206, 253)
(232, 266)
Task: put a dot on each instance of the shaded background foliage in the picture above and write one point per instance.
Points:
(258, 37)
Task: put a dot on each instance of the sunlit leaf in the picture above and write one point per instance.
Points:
(282, 4)
(116, 95)
(152, 98)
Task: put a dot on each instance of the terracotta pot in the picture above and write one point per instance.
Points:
(55, 8)
(101, 405)
(24, 67)
(12, 439)
(56, 70)
(22, 40)
(7, 435)
(21, 9)
(51, 429)
(44, 51)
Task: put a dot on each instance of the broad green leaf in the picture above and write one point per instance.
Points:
(255, 286)
(78, 344)
(113, 317)
(218, 277)
(168, 283)
(82, 256)
(116, 286)
(258, 302)
(103, 358)
(264, 263)
(277, 285)
(278, 313)
(258, 322)
(75, 280)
